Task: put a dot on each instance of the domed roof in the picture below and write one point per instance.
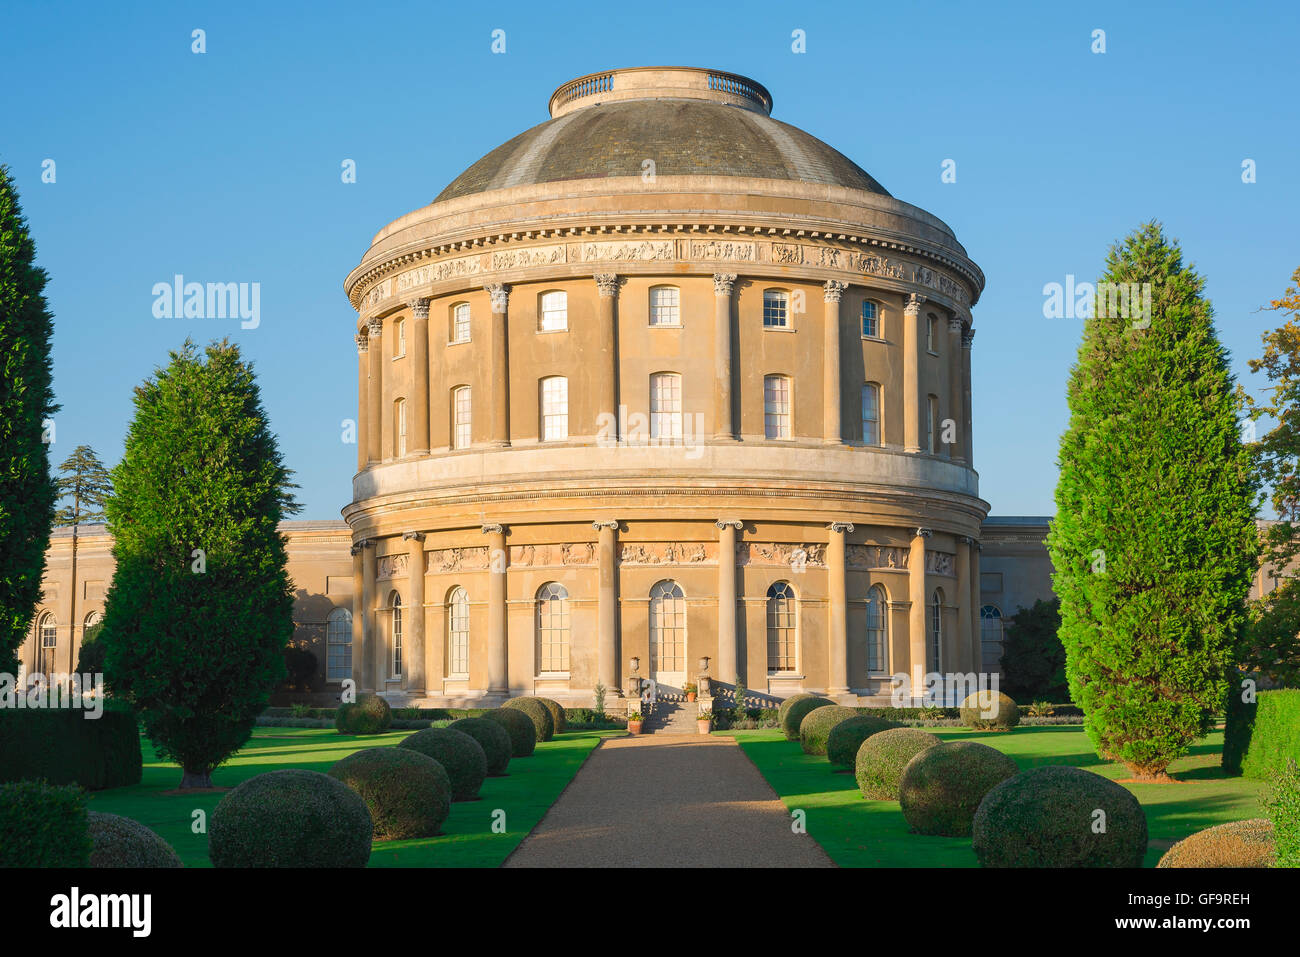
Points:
(689, 122)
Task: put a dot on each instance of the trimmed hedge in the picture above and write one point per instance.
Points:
(290, 818)
(558, 716)
(1260, 737)
(1235, 844)
(816, 726)
(845, 739)
(492, 738)
(369, 715)
(1046, 817)
(121, 842)
(523, 733)
(1006, 717)
(536, 709)
(407, 793)
(881, 759)
(797, 711)
(943, 786)
(43, 825)
(784, 706)
(460, 754)
(63, 746)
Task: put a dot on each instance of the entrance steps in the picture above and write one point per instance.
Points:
(672, 717)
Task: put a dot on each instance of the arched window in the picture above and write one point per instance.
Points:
(552, 629)
(667, 628)
(666, 406)
(93, 619)
(554, 403)
(458, 633)
(870, 319)
(555, 311)
(399, 338)
(338, 645)
(776, 309)
(48, 632)
(991, 638)
(871, 414)
(782, 637)
(396, 602)
(460, 417)
(665, 306)
(776, 406)
(934, 646)
(460, 322)
(399, 428)
(877, 632)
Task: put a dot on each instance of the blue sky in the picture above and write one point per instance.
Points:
(225, 167)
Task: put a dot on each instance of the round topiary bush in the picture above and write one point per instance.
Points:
(883, 756)
(816, 726)
(846, 737)
(290, 818)
(797, 711)
(461, 756)
(369, 715)
(520, 727)
(942, 786)
(1047, 817)
(784, 706)
(543, 723)
(558, 717)
(408, 793)
(121, 842)
(492, 738)
(989, 711)
(1235, 844)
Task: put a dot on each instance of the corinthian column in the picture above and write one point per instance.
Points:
(607, 607)
(498, 634)
(916, 613)
(500, 372)
(961, 598)
(607, 285)
(832, 292)
(375, 394)
(955, 387)
(728, 669)
(967, 339)
(912, 374)
(837, 593)
(413, 668)
(363, 389)
(722, 286)
(420, 376)
(370, 678)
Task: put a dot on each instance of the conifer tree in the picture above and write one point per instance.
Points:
(84, 485)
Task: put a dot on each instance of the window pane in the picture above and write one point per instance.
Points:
(338, 645)
(776, 407)
(665, 306)
(781, 651)
(667, 627)
(397, 637)
(460, 325)
(458, 633)
(871, 414)
(555, 409)
(776, 309)
(876, 643)
(553, 628)
(460, 438)
(665, 406)
(870, 319)
(400, 416)
(555, 311)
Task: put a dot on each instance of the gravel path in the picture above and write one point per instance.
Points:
(668, 801)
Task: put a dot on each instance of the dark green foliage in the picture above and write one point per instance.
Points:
(370, 714)
(290, 818)
(461, 756)
(740, 712)
(1047, 817)
(43, 825)
(1033, 658)
(1004, 716)
(27, 493)
(943, 786)
(1261, 736)
(90, 656)
(1283, 808)
(846, 737)
(784, 706)
(300, 663)
(63, 746)
(882, 758)
(1235, 844)
(816, 726)
(797, 711)
(557, 713)
(523, 733)
(1154, 540)
(407, 793)
(538, 712)
(492, 738)
(121, 842)
(200, 607)
(85, 485)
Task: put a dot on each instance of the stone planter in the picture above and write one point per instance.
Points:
(634, 727)
(690, 696)
(703, 726)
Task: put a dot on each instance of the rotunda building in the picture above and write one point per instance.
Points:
(663, 388)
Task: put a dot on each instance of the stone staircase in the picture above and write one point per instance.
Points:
(672, 716)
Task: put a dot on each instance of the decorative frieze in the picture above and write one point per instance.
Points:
(722, 249)
(645, 250)
(939, 563)
(443, 560)
(877, 556)
(780, 553)
(391, 566)
(567, 553)
(667, 553)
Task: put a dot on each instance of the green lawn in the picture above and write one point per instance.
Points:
(467, 840)
(859, 833)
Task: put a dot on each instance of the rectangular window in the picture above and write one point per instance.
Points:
(931, 325)
(458, 635)
(870, 319)
(460, 323)
(776, 407)
(665, 306)
(460, 435)
(555, 311)
(555, 409)
(399, 345)
(399, 413)
(776, 309)
(665, 406)
(871, 414)
(338, 640)
(397, 641)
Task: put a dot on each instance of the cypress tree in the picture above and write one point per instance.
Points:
(1154, 541)
(26, 400)
(200, 608)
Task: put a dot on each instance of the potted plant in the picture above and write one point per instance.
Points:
(691, 691)
(704, 722)
(634, 722)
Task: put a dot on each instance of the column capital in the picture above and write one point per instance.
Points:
(607, 284)
(364, 543)
(735, 523)
(413, 536)
(419, 307)
(375, 327)
(966, 540)
(955, 323)
(913, 304)
(833, 289)
(494, 529)
(611, 524)
(500, 293)
(967, 338)
(722, 283)
(923, 533)
(840, 526)
(363, 344)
